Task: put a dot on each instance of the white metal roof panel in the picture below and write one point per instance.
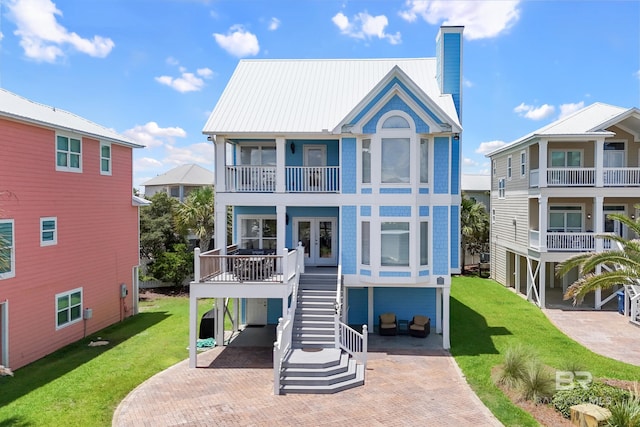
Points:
(190, 174)
(309, 95)
(18, 108)
(475, 182)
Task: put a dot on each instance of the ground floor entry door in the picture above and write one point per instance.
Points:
(256, 311)
(319, 237)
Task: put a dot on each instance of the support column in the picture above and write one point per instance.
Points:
(219, 324)
(446, 292)
(542, 278)
(599, 161)
(193, 328)
(438, 310)
(236, 316)
(543, 207)
(598, 220)
(281, 150)
(281, 219)
(220, 236)
(220, 149)
(517, 273)
(370, 308)
(542, 163)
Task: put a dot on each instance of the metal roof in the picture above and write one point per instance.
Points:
(16, 107)
(309, 96)
(190, 174)
(471, 182)
(591, 120)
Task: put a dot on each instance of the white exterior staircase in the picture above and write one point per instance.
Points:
(314, 365)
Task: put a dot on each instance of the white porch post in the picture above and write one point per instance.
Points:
(438, 310)
(542, 162)
(236, 316)
(220, 147)
(597, 304)
(598, 220)
(281, 219)
(370, 308)
(193, 328)
(446, 292)
(599, 161)
(516, 273)
(542, 277)
(219, 324)
(221, 228)
(281, 147)
(542, 221)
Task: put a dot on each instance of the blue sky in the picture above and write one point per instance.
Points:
(154, 69)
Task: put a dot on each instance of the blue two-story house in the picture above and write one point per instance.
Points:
(358, 159)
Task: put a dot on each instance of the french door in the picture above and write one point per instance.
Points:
(318, 236)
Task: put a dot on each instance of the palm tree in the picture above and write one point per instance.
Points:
(474, 224)
(622, 265)
(196, 214)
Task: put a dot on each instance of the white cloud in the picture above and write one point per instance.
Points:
(205, 72)
(172, 61)
(201, 152)
(487, 147)
(153, 135)
(467, 83)
(637, 73)
(568, 109)
(365, 26)
(481, 19)
(469, 162)
(238, 42)
(533, 113)
(147, 163)
(274, 24)
(43, 38)
(187, 82)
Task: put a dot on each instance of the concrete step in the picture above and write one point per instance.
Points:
(307, 316)
(322, 311)
(312, 360)
(309, 328)
(309, 296)
(325, 380)
(342, 366)
(326, 305)
(324, 338)
(308, 344)
(358, 380)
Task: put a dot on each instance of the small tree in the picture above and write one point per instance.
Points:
(157, 231)
(173, 266)
(474, 222)
(196, 215)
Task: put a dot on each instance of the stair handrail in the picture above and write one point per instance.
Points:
(284, 335)
(338, 303)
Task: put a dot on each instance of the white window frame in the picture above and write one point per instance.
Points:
(365, 250)
(403, 220)
(260, 238)
(260, 146)
(523, 163)
(495, 167)
(428, 247)
(567, 150)
(54, 241)
(12, 262)
(396, 133)
(365, 176)
(108, 159)
(581, 210)
(68, 152)
(424, 166)
(58, 310)
(493, 216)
(502, 188)
(509, 167)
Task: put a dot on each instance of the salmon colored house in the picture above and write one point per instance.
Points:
(68, 229)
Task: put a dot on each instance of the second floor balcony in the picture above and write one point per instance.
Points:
(587, 177)
(297, 179)
(567, 241)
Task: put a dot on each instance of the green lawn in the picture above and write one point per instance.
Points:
(81, 386)
(487, 318)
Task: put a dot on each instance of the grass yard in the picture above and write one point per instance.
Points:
(487, 318)
(81, 386)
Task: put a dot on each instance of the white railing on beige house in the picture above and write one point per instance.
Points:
(534, 178)
(253, 179)
(567, 177)
(534, 238)
(569, 241)
(621, 176)
(309, 179)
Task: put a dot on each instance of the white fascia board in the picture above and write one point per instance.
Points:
(531, 139)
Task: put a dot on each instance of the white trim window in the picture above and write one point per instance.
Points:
(7, 249)
(494, 167)
(502, 183)
(394, 244)
(258, 232)
(258, 154)
(509, 168)
(424, 243)
(523, 163)
(365, 243)
(48, 231)
(105, 158)
(566, 219)
(493, 216)
(366, 161)
(68, 154)
(396, 135)
(424, 161)
(68, 308)
(566, 158)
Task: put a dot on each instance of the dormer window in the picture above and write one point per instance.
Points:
(396, 134)
(396, 122)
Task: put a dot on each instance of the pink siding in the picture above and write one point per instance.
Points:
(97, 238)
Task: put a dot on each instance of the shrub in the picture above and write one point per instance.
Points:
(514, 367)
(538, 383)
(597, 393)
(626, 412)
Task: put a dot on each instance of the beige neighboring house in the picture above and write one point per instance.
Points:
(551, 192)
(477, 187)
(179, 181)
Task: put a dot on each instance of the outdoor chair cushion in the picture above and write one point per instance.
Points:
(388, 318)
(420, 320)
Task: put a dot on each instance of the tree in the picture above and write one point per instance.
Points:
(196, 215)
(622, 265)
(474, 226)
(157, 231)
(172, 266)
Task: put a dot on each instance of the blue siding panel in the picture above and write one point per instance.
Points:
(424, 210)
(455, 166)
(274, 310)
(358, 306)
(440, 240)
(395, 191)
(348, 169)
(405, 303)
(395, 274)
(395, 103)
(451, 67)
(455, 236)
(365, 210)
(366, 191)
(349, 239)
(365, 272)
(423, 191)
(423, 273)
(403, 211)
(441, 165)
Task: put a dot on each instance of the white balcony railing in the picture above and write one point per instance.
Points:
(534, 178)
(567, 177)
(253, 179)
(570, 241)
(310, 179)
(621, 177)
(534, 238)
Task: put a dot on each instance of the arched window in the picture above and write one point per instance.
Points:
(395, 122)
